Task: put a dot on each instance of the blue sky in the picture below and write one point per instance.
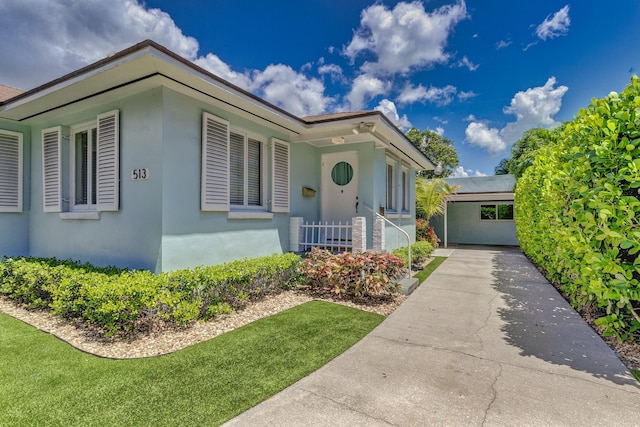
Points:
(477, 72)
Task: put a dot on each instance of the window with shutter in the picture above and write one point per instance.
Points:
(280, 176)
(236, 169)
(51, 169)
(245, 171)
(390, 204)
(405, 189)
(254, 172)
(107, 165)
(215, 164)
(10, 171)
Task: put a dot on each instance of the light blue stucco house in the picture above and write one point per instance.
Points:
(146, 160)
(480, 212)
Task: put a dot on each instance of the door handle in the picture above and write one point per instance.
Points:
(357, 202)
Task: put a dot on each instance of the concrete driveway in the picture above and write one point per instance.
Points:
(485, 340)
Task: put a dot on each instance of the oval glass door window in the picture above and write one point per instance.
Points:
(342, 173)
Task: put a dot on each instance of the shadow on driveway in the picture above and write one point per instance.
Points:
(540, 322)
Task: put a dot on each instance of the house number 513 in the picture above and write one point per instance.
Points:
(140, 174)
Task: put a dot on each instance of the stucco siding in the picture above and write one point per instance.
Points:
(192, 237)
(465, 225)
(129, 237)
(14, 226)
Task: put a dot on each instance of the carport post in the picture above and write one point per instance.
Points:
(446, 225)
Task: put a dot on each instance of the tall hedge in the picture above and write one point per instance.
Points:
(578, 210)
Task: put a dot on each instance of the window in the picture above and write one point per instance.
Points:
(245, 171)
(390, 204)
(234, 169)
(496, 212)
(94, 179)
(10, 171)
(83, 161)
(405, 189)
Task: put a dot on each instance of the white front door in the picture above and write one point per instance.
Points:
(339, 186)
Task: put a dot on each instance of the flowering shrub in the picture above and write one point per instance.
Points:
(367, 274)
(425, 232)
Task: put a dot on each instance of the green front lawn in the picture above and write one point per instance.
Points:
(44, 381)
(429, 268)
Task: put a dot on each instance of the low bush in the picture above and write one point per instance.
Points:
(122, 301)
(367, 274)
(420, 251)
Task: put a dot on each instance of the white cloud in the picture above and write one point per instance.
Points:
(439, 130)
(60, 39)
(441, 120)
(464, 62)
(388, 108)
(437, 95)
(404, 38)
(293, 91)
(482, 136)
(215, 65)
(534, 107)
(470, 118)
(463, 96)
(502, 44)
(46, 39)
(555, 26)
(333, 70)
(461, 172)
(365, 88)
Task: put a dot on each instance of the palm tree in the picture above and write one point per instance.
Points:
(430, 196)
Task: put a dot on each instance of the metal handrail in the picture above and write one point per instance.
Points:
(400, 230)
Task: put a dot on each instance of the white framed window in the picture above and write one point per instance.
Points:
(246, 170)
(11, 171)
(94, 174)
(234, 170)
(83, 167)
(390, 203)
(405, 182)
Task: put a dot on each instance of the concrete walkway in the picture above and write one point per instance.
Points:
(484, 341)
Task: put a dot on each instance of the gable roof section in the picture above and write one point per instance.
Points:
(148, 64)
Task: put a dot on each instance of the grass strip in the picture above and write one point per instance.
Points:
(429, 268)
(44, 381)
(636, 374)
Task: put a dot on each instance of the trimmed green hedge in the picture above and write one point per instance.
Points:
(420, 251)
(120, 301)
(578, 210)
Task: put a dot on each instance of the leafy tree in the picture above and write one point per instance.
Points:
(437, 148)
(430, 196)
(525, 149)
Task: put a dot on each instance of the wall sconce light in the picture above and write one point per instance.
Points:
(438, 170)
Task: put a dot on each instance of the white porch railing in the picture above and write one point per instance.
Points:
(334, 237)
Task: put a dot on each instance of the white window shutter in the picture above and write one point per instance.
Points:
(51, 169)
(215, 164)
(280, 176)
(10, 171)
(108, 162)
